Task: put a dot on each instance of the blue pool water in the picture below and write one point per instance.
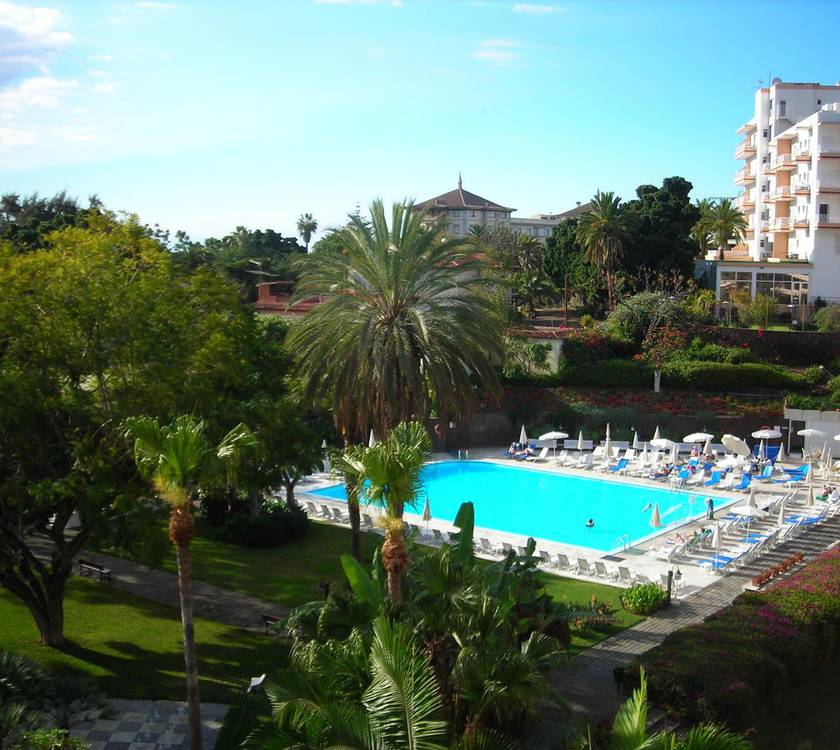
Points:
(548, 505)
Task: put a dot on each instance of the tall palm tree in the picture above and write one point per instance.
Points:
(601, 233)
(391, 473)
(174, 458)
(348, 464)
(701, 231)
(629, 732)
(725, 222)
(407, 323)
(306, 226)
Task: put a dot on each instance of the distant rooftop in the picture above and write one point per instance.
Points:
(460, 198)
(572, 213)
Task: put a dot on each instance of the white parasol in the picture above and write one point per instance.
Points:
(607, 445)
(655, 434)
(372, 440)
(427, 514)
(662, 443)
(697, 437)
(580, 441)
(750, 510)
(762, 451)
(780, 456)
(707, 447)
(523, 437)
(608, 430)
(675, 449)
(716, 535)
(554, 436)
(765, 433)
(326, 455)
(635, 440)
(736, 445)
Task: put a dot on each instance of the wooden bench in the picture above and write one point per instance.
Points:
(88, 568)
(271, 624)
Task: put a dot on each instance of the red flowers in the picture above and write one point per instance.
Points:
(783, 567)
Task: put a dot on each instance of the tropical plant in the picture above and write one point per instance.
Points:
(391, 476)
(701, 232)
(659, 345)
(762, 310)
(629, 732)
(306, 226)
(828, 318)
(644, 598)
(175, 458)
(347, 464)
(602, 232)
(406, 324)
(721, 222)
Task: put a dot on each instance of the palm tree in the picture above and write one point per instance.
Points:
(391, 473)
(629, 732)
(348, 464)
(407, 324)
(174, 458)
(306, 226)
(601, 233)
(725, 222)
(701, 231)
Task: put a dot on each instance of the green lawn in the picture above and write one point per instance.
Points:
(290, 574)
(133, 646)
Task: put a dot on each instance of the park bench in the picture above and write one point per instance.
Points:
(271, 624)
(88, 568)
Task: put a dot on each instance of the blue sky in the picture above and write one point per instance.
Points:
(206, 115)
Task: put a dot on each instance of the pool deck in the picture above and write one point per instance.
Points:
(641, 558)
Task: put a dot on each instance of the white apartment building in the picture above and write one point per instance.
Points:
(464, 209)
(791, 197)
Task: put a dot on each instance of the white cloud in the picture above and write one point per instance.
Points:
(106, 87)
(103, 58)
(535, 8)
(33, 93)
(499, 51)
(29, 37)
(99, 73)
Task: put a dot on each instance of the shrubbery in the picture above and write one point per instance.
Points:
(631, 319)
(275, 525)
(701, 352)
(594, 345)
(619, 373)
(743, 660)
(828, 318)
(722, 376)
(644, 598)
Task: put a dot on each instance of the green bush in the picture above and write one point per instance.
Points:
(274, 526)
(644, 598)
(619, 373)
(594, 345)
(744, 659)
(762, 311)
(631, 319)
(817, 403)
(828, 318)
(48, 739)
(722, 376)
(701, 352)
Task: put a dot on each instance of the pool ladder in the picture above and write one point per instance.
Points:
(466, 455)
(624, 540)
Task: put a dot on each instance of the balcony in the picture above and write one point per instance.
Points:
(745, 149)
(764, 225)
(802, 151)
(744, 176)
(801, 187)
(801, 222)
(828, 221)
(828, 186)
(747, 127)
(781, 163)
(744, 201)
(828, 148)
(782, 224)
(784, 193)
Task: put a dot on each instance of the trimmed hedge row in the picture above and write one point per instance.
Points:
(690, 374)
(741, 662)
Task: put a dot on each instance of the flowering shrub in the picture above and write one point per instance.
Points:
(783, 567)
(589, 345)
(644, 598)
(740, 663)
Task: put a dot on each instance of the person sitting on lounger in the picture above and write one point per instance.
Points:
(663, 471)
(834, 495)
(590, 524)
(695, 452)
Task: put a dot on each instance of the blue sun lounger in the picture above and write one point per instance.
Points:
(744, 483)
(713, 480)
(622, 464)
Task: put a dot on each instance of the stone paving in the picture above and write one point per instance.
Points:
(149, 725)
(586, 684)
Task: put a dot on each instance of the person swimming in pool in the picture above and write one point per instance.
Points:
(647, 508)
(590, 524)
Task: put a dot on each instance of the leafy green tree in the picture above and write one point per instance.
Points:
(828, 318)
(762, 310)
(406, 324)
(636, 315)
(659, 345)
(98, 327)
(523, 356)
(602, 233)
(659, 223)
(176, 458)
(306, 226)
(566, 266)
(701, 232)
(26, 222)
(629, 732)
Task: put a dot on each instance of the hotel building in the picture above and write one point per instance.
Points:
(790, 180)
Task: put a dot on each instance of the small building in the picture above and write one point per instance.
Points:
(274, 298)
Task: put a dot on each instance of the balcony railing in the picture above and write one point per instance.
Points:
(744, 175)
(781, 224)
(781, 161)
(802, 151)
(802, 186)
(782, 192)
(745, 147)
(823, 219)
(829, 148)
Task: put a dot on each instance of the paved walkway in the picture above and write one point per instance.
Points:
(146, 725)
(586, 683)
(212, 602)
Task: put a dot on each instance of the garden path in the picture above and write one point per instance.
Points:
(586, 683)
(209, 601)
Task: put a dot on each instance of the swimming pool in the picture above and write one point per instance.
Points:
(549, 505)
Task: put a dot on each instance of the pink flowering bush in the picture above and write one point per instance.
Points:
(740, 663)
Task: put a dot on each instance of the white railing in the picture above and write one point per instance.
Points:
(803, 148)
(765, 225)
(783, 192)
(744, 174)
(781, 224)
(746, 145)
(824, 219)
(781, 160)
(829, 147)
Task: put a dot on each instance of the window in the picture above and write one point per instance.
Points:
(456, 229)
(781, 110)
(735, 283)
(819, 102)
(472, 214)
(785, 288)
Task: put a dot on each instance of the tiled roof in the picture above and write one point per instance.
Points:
(460, 198)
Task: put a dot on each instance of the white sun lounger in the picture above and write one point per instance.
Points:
(563, 562)
(584, 568)
(601, 571)
(625, 576)
(543, 456)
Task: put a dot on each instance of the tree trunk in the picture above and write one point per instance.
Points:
(181, 531)
(657, 377)
(354, 512)
(395, 559)
(254, 505)
(290, 494)
(609, 291)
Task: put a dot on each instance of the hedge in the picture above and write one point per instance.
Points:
(817, 403)
(743, 660)
(688, 374)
